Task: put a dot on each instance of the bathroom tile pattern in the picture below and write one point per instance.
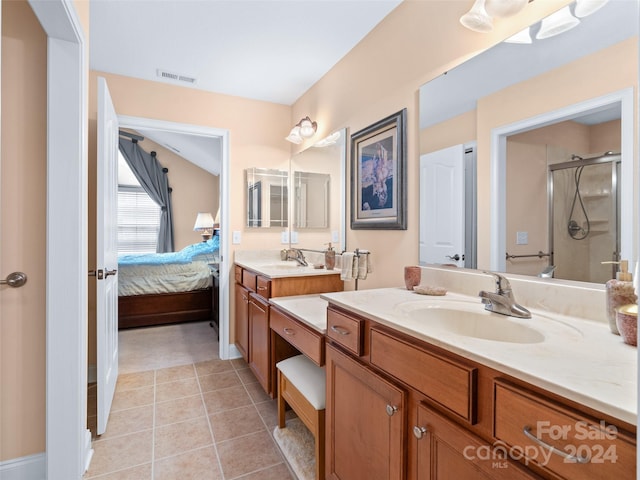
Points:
(206, 420)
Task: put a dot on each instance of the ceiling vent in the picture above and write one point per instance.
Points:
(175, 76)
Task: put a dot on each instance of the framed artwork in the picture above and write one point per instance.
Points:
(378, 175)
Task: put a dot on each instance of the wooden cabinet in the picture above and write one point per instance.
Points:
(452, 418)
(259, 359)
(366, 418)
(448, 451)
(242, 320)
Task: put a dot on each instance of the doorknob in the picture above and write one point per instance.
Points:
(109, 272)
(15, 279)
(455, 257)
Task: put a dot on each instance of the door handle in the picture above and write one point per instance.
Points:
(455, 257)
(102, 274)
(15, 279)
(110, 272)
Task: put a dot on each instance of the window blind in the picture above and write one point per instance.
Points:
(138, 220)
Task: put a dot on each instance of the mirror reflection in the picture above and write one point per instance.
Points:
(311, 201)
(541, 119)
(267, 197)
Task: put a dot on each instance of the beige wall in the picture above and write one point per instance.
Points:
(22, 240)
(418, 41)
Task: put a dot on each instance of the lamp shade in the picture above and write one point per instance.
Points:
(307, 127)
(504, 8)
(585, 8)
(203, 221)
(294, 135)
(522, 37)
(557, 23)
(477, 18)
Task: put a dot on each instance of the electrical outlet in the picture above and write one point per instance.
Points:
(335, 236)
(294, 237)
(236, 237)
(522, 238)
(284, 237)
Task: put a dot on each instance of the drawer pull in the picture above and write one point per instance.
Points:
(289, 331)
(340, 330)
(419, 432)
(391, 410)
(572, 458)
(262, 288)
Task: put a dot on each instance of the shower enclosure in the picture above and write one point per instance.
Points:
(584, 226)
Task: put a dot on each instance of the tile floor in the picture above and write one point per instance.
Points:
(206, 419)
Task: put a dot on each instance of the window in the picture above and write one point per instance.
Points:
(138, 215)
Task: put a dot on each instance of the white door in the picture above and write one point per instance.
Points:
(442, 206)
(107, 254)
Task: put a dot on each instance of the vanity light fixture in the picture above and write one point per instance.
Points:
(480, 17)
(304, 129)
(329, 140)
(504, 8)
(557, 23)
(585, 8)
(523, 37)
(204, 224)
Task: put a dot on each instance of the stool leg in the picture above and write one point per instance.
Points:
(320, 446)
(281, 403)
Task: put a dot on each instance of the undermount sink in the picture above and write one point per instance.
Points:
(471, 320)
(281, 266)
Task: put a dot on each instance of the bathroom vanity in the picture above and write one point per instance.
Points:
(259, 276)
(436, 387)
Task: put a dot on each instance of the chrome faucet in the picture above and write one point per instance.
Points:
(297, 255)
(502, 300)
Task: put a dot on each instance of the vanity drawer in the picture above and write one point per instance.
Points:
(263, 287)
(344, 330)
(449, 383)
(308, 342)
(249, 280)
(238, 274)
(521, 416)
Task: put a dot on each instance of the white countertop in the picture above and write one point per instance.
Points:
(268, 264)
(578, 359)
(308, 309)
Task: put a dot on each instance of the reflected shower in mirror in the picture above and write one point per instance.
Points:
(529, 111)
(267, 194)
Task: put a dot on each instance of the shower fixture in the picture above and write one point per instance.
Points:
(575, 230)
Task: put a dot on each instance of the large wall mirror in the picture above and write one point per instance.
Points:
(553, 125)
(308, 200)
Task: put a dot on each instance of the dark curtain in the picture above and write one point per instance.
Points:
(153, 178)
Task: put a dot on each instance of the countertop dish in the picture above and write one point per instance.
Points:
(575, 358)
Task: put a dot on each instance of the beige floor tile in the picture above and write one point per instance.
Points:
(128, 381)
(277, 472)
(141, 472)
(181, 437)
(213, 366)
(131, 420)
(257, 393)
(239, 363)
(248, 454)
(172, 374)
(226, 399)
(133, 398)
(179, 410)
(235, 423)
(246, 375)
(180, 388)
(269, 413)
(121, 453)
(216, 381)
(201, 464)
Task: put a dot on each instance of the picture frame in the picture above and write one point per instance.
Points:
(378, 175)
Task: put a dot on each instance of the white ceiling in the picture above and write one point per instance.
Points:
(271, 50)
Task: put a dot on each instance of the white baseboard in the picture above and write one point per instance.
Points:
(31, 467)
(233, 353)
(88, 451)
(92, 373)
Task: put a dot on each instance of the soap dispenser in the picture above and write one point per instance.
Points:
(620, 291)
(329, 258)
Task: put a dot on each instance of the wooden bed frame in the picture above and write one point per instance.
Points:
(162, 308)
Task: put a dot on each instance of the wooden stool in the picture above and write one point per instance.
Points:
(302, 385)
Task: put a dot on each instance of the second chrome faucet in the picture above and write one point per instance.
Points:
(502, 301)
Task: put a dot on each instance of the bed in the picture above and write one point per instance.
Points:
(161, 288)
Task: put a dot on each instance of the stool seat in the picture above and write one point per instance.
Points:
(302, 385)
(307, 377)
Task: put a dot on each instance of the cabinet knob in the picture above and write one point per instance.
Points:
(391, 410)
(419, 432)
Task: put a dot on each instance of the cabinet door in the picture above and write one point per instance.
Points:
(445, 450)
(242, 320)
(365, 422)
(259, 346)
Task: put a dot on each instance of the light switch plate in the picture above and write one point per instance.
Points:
(284, 237)
(335, 236)
(294, 237)
(236, 237)
(522, 238)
